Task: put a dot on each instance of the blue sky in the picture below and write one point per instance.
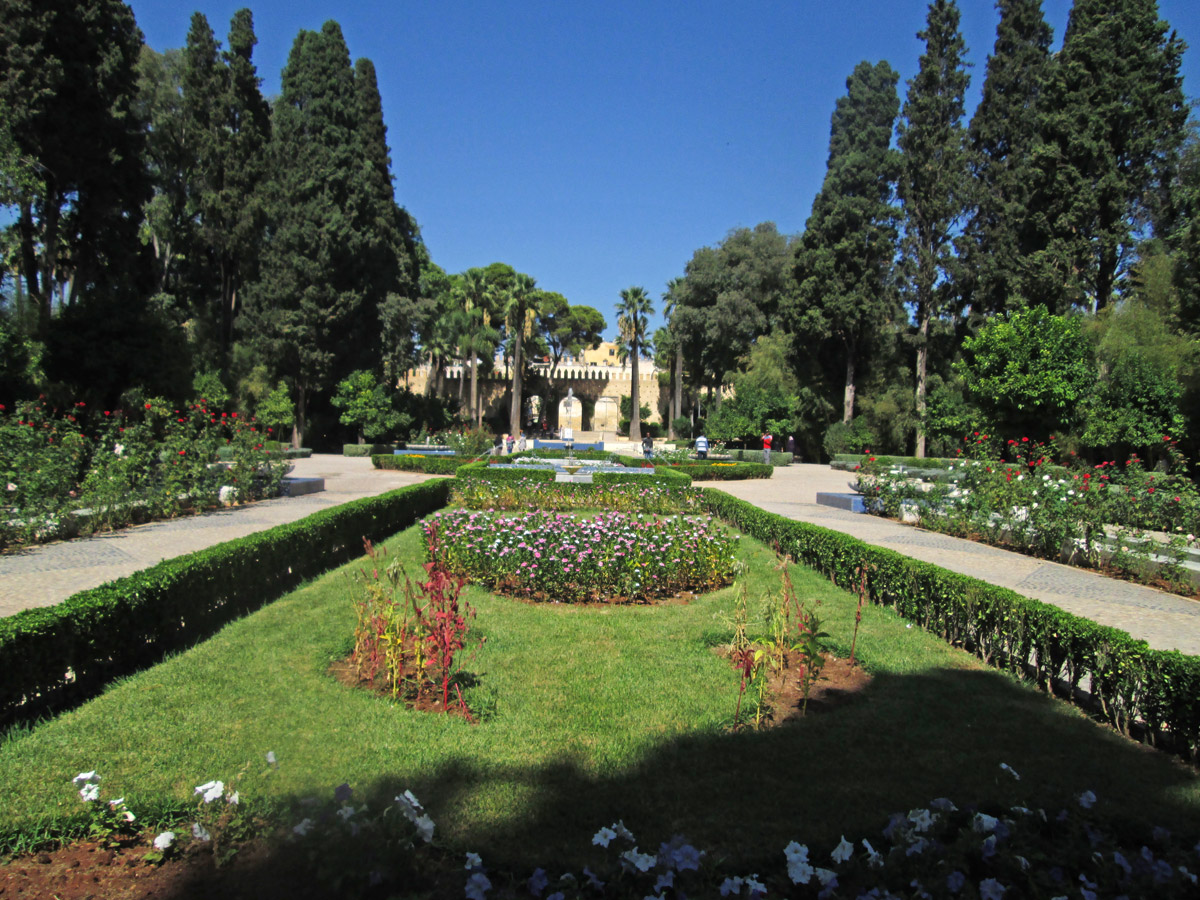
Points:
(597, 145)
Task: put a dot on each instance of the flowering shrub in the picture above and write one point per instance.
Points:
(558, 557)
(1035, 507)
(117, 466)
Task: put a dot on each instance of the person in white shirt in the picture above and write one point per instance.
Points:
(701, 447)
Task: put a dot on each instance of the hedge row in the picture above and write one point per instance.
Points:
(778, 458)
(366, 449)
(710, 471)
(431, 465)
(1136, 688)
(58, 656)
(662, 477)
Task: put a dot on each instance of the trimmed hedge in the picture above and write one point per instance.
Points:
(715, 471)
(366, 449)
(431, 465)
(662, 477)
(1135, 688)
(58, 656)
(778, 458)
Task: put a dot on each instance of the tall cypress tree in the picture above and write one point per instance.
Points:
(1113, 123)
(68, 82)
(933, 181)
(1004, 130)
(309, 310)
(844, 258)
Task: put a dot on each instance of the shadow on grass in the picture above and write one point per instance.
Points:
(742, 797)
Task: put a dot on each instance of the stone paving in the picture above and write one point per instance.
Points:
(1163, 620)
(47, 574)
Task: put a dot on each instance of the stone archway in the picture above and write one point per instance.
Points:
(607, 416)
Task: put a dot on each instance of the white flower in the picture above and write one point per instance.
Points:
(603, 837)
(755, 886)
(731, 886)
(473, 861)
(825, 876)
(874, 858)
(346, 813)
(477, 886)
(119, 449)
(85, 776)
(164, 840)
(90, 792)
(799, 869)
(842, 851)
(271, 757)
(1191, 537)
(640, 861)
(991, 889)
(983, 824)
(425, 828)
(200, 833)
(233, 799)
(11, 486)
(922, 819)
(1087, 799)
(211, 790)
(621, 830)
(1009, 769)
(303, 828)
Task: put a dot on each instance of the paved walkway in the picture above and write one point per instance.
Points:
(47, 574)
(1163, 620)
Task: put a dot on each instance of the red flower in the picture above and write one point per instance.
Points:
(147, 406)
(1024, 440)
(106, 412)
(182, 452)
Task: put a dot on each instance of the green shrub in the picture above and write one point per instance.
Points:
(718, 471)
(410, 462)
(57, 656)
(1135, 687)
(777, 458)
(366, 449)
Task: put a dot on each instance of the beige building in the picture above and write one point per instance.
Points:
(604, 355)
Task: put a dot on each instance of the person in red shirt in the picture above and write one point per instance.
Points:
(766, 439)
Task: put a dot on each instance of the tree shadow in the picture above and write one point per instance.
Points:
(907, 740)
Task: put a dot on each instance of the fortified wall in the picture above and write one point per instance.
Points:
(596, 389)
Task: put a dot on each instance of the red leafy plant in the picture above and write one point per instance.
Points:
(409, 633)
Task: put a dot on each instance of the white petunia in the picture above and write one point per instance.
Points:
(271, 758)
(164, 840)
(1087, 799)
(477, 886)
(85, 776)
(874, 858)
(200, 833)
(90, 792)
(922, 819)
(210, 790)
(425, 828)
(843, 851)
(603, 837)
(991, 889)
(799, 869)
(474, 861)
(731, 886)
(303, 828)
(984, 824)
(640, 861)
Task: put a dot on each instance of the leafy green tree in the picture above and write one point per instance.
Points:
(729, 296)
(366, 405)
(68, 83)
(633, 320)
(844, 258)
(1133, 406)
(1029, 371)
(276, 409)
(674, 340)
(1113, 123)
(933, 181)
(1001, 232)
(313, 312)
(569, 330)
(477, 339)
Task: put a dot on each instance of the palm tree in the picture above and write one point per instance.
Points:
(520, 312)
(633, 318)
(476, 338)
(670, 301)
(474, 292)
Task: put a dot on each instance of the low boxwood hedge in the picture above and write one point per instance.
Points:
(366, 449)
(1155, 693)
(662, 477)
(57, 656)
(778, 458)
(718, 471)
(431, 465)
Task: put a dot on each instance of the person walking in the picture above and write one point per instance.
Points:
(790, 446)
(509, 441)
(647, 447)
(521, 443)
(701, 447)
(766, 439)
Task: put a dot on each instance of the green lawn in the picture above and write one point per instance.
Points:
(595, 715)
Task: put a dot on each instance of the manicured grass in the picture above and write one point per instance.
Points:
(595, 714)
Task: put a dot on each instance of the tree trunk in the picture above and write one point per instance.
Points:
(635, 408)
(514, 412)
(848, 398)
(298, 423)
(677, 405)
(922, 365)
(476, 417)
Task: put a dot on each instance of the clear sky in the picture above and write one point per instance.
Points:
(596, 145)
